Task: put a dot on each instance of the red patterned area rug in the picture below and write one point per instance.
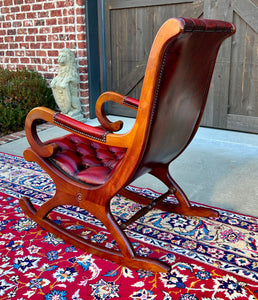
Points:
(211, 258)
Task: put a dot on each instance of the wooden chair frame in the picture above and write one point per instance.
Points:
(96, 198)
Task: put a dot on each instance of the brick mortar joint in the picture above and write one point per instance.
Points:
(20, 134)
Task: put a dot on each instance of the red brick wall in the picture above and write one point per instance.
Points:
(32, 32)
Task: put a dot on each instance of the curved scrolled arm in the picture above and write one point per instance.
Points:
(39, 113)
(60, 120)
(117, 98)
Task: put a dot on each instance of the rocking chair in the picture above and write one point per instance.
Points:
(90, 165)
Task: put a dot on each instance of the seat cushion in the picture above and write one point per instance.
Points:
(86, 161)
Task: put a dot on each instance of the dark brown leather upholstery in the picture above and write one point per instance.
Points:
(181, 89)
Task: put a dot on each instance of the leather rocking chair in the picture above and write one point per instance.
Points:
(90, 165)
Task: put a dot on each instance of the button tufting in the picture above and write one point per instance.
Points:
(85, 160)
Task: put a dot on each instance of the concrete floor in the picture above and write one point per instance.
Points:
(219, 168)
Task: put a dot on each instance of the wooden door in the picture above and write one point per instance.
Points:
(130, 28)
(233, 97)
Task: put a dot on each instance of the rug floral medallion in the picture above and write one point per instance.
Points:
(211, 258)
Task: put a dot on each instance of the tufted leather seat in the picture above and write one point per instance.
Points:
(86, 161)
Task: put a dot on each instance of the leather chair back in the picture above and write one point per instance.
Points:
(182, 88)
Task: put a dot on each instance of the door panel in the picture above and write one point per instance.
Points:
(233, 98)
(131, 27)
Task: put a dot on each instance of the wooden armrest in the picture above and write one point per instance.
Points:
(63, 121)
(114, 97)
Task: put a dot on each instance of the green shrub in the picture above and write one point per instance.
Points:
(20, 91)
